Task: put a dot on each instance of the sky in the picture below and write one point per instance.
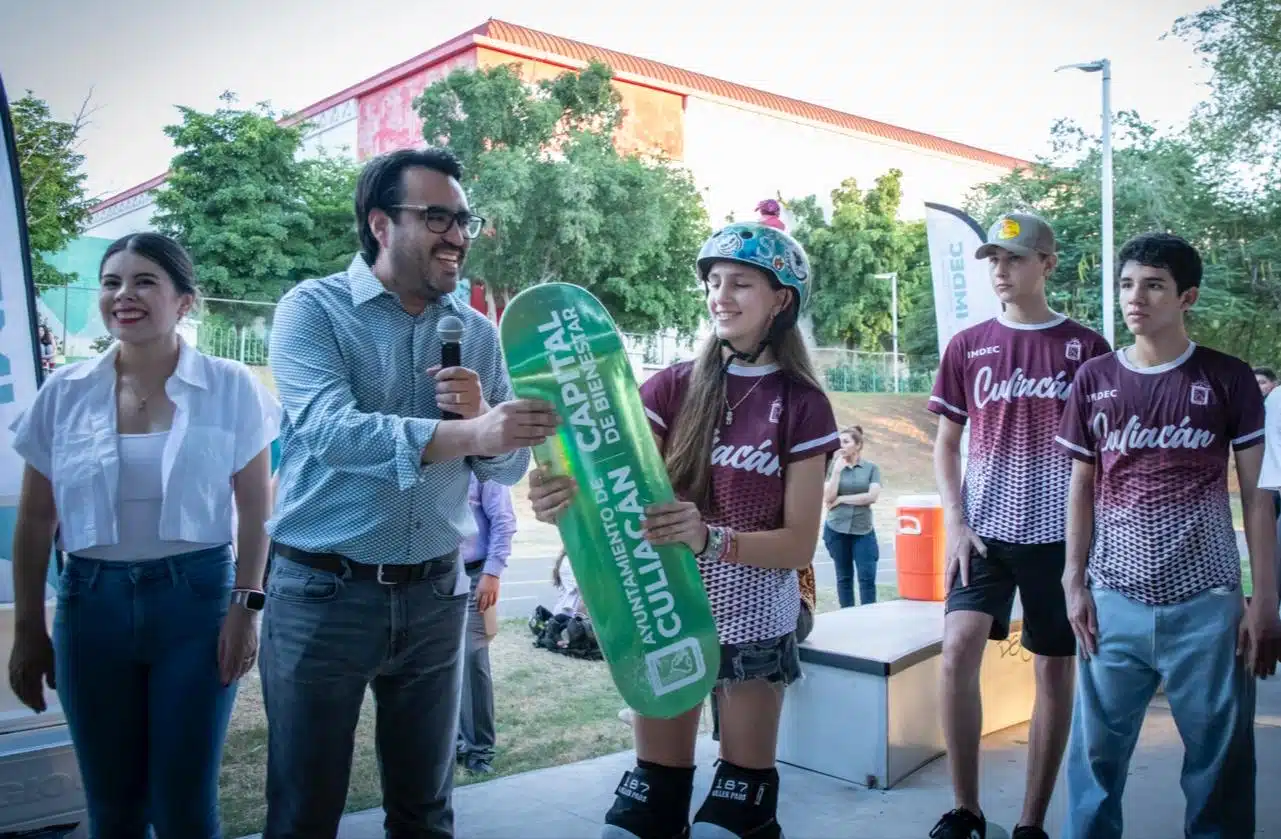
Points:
(979, 72)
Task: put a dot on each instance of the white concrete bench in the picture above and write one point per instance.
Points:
(867, 709)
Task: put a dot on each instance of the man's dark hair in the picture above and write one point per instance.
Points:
(1165, 250)
(1267, 373)
(381, 186)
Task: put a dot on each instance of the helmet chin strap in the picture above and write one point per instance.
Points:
(737, 354)
(749, 357)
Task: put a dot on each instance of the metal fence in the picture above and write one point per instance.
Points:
(241, 330)
(856, 371)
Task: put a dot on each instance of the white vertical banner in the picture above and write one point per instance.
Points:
(19, 362)
(963, 294)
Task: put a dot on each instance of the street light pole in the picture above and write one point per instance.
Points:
(893, 278)
(1104, 66)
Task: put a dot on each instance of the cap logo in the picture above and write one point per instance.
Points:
(1009, 229)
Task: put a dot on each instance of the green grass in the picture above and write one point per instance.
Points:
(551, 710)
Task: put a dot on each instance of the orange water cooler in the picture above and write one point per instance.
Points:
(920, 546)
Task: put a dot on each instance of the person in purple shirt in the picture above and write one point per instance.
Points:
(484, 554)
(1153, 577)
(1007, 379)
(745, 430)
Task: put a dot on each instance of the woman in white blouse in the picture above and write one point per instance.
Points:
(134, 460)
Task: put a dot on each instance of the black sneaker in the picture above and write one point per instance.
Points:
(960, 824)
(478, 766)
(1027, 831)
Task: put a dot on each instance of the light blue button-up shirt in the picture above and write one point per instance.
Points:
(358, 410)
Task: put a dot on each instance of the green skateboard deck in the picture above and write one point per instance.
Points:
(647, 604)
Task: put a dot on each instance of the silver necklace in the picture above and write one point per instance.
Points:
(137, 394)
(729, 409)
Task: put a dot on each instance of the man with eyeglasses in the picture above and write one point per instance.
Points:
(366, 587)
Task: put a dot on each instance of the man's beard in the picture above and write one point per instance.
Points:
(422, 277)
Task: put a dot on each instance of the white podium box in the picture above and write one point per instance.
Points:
(867, 709)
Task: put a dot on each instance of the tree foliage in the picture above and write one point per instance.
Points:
(1240, 40)
(864, 237)
(255, 217)
(563, 203)
(52, 181)
(1163, 182)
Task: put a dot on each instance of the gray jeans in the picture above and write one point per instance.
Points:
(476, 718)
(325, 640)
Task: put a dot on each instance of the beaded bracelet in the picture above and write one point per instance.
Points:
(722, 545)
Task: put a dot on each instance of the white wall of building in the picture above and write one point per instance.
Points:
(133, 215)
(333, 131)
(741, 156)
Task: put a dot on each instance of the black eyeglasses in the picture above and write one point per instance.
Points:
(440, 219)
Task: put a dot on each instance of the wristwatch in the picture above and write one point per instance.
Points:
(249, 598)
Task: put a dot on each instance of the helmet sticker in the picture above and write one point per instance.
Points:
(796, 263)
(728, 243)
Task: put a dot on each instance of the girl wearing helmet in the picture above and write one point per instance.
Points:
(744, 430)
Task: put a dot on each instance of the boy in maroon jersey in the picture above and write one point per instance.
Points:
(1153, 579)
(1008, 378)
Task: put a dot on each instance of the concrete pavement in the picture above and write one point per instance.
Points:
(567, 802)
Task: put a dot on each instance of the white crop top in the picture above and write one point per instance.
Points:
(140, 495)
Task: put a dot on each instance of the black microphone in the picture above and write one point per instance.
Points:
(450, 331)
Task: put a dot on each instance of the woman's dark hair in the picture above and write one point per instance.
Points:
(163, 251)
(381, 186)
(854, 431)
(1164, 250)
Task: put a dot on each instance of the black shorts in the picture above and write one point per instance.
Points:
(1037, 572)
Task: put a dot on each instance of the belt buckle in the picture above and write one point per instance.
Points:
(380, 579)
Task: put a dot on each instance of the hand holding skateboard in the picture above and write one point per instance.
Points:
(677, 522)
(550, 495)
(518, 424)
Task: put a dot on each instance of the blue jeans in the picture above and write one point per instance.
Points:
(1192, 646)
(326, 638)
(849, 553)
(136, 662)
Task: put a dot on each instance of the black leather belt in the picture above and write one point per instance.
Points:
(388, 575)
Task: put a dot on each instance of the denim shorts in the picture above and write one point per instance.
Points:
(775, 660)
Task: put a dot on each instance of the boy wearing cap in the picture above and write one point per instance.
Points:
(1008, 378)
(1153, 577)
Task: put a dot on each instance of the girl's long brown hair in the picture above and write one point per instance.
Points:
(688, 448)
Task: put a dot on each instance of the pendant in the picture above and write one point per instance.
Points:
(729, 416)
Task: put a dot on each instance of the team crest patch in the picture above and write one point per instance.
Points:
(1073, 350)
(776, 411)
(1009, 229)
(1200, 394)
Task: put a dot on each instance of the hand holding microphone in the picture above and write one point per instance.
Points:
(457, 389)
(517, 424)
